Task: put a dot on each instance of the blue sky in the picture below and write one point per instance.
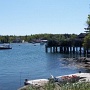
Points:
(26, 17)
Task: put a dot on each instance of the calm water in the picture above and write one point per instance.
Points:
(31, 62)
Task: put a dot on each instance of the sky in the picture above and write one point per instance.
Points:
(26, 17)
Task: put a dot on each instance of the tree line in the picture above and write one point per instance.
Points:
(36, 38)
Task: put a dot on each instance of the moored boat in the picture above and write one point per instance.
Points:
(5, 46)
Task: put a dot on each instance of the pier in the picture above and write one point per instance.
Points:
(66, 47)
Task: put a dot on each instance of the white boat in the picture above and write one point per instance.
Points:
(43, 42)
(5, 46)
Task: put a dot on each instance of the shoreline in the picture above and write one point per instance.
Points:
(84, 77)
(80, 62)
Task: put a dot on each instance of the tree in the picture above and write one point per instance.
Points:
(86, 43)
(88, 20)
(88, 24)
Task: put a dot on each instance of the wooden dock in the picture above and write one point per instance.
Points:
(66, 47)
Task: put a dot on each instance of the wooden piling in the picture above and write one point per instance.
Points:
(66, 50)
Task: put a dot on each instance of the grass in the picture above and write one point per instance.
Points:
(58, 86)
(76, 86)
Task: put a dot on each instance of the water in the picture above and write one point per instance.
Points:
(29, 61)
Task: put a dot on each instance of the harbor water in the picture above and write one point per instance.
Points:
(30, 61)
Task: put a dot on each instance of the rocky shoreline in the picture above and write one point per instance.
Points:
(71, 78)
(81, 62)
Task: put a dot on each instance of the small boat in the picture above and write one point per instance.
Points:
(5, 46)
(43, 42)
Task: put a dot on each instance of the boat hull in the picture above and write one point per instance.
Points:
(4, 48)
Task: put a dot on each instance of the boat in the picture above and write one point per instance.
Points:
(5, 46)
(42, 42)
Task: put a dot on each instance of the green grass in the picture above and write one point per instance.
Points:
(58, 86)
(76, 86)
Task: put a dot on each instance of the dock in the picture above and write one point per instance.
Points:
(67, 47)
